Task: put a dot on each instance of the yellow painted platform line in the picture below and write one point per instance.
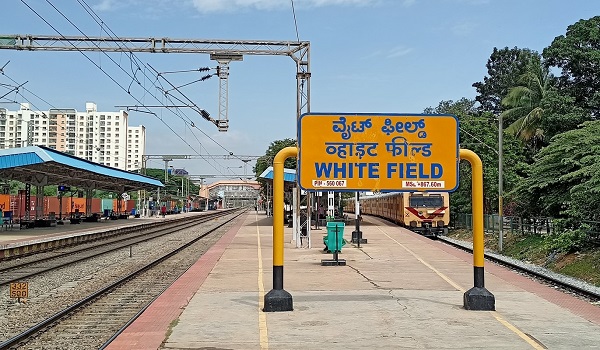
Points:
(521, 334)
(444, 277)
(496, 315)
(262, 317)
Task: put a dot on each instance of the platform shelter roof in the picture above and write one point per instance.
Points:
(289, 175)
(41, 166)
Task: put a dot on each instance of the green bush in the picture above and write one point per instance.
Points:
(568, 239)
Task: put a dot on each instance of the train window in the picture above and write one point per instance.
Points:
(426, 202)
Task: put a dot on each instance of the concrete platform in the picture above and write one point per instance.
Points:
(399, 291)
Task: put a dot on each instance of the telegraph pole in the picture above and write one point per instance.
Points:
(500, 189)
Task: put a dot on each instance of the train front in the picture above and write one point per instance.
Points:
(427, 213)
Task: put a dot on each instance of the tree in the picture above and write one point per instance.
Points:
(266, 161)
(524, 104)
(479, 133)
(578, 55)
(560, 113)
(504, 66)
(565, 176)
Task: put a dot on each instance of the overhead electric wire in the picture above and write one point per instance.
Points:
(94, 63)
(31, 92)
(295, 22)
(95, 16)
(133, 60)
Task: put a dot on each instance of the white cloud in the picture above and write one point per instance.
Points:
(206, 6)
(399, 51)
(394, 52)
(463, 28)
(214, 6)
(104, 5)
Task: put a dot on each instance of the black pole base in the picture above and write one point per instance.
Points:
(333, 262)
(278, 300)
(479, 299)
(356, 239)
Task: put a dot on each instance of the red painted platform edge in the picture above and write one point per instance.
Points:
(150, 329)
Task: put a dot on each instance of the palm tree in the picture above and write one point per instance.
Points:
(524, 104)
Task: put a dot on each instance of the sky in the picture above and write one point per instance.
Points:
(366, 56)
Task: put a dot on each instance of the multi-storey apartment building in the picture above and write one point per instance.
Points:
(16, 127)
(100, 137)
(136, 145)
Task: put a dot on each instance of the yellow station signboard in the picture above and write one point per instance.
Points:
(378, 152)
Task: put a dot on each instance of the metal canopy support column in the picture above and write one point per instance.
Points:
(27, 202)
(39, 202)
(89, 194)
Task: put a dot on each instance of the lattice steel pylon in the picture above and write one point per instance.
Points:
(223, 51)
(223, 74)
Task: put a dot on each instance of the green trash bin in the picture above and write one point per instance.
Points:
(334, 241)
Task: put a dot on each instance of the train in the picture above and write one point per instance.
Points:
(52, 206)
(426, 213)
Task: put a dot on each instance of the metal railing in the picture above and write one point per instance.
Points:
(511, 224)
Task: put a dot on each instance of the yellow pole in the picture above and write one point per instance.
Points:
(477, 203)
(477, 298)
(278, 203)
(278, 299)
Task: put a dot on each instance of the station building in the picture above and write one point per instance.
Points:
(234, 193)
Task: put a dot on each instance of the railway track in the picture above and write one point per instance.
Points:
(92, 320)
(541, 274)
(43, 263)
(568, 284)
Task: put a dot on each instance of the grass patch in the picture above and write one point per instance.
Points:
(170, 329)
(585, 266)
(534, 249)
(528, 248)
